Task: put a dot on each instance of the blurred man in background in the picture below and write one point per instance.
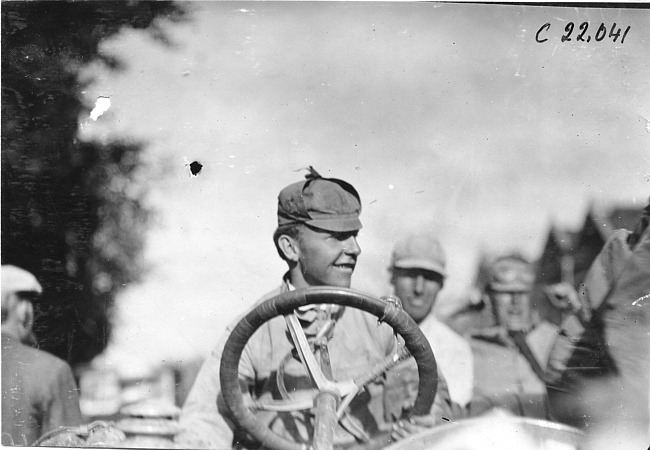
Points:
(38, 390)
(510, 358)
(599, 368)
(417, 274)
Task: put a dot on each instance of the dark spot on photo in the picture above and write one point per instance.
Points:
(195, 168)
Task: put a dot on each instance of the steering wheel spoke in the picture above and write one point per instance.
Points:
(300, 402)
(306, 356)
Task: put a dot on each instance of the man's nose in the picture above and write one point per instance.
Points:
(352, 246)
(419, 284)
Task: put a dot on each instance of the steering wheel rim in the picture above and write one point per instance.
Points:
(286, 303)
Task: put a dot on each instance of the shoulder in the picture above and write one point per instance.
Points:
(489, 348)
(54, 364)
(488, 337)
(39, 357)
(265, 297)
(545, 328)
(433, 327)
(479, 343)
(362, 320)
(365, 329)
(42, 369)
(541, 340)
(216, 351)
(269, 295)
(358, 314)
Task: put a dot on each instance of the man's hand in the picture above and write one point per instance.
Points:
(565, 298)
(562, 296)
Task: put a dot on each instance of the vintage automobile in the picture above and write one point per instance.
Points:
(329, 398)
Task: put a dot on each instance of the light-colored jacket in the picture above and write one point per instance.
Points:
(358, 342)
(39, 393)
(454, 357)
(503, 377)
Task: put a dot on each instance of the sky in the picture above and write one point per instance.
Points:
(447, 118)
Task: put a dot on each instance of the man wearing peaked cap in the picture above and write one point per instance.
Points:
(38, 390)
(325, 203)
(310, 212)
(510, 358)
(15, 279)
(418, 271)
(318, 222)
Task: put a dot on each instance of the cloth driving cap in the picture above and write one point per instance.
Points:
(326, 203)
(420, 251)
(511, 274)
(15, 279)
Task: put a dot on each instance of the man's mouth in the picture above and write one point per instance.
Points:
(415, 301)
(345, 267)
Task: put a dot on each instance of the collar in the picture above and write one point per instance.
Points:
(494, 335)
(288, 287)
(310, 314)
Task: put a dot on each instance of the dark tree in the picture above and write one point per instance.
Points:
(67, 213)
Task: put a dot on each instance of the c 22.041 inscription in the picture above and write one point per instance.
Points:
(583, 34)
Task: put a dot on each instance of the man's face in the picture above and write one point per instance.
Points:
(327, 258)
(512, 310)
(418, 289)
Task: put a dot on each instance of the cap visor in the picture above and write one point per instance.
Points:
(419, 263)
(338, 224)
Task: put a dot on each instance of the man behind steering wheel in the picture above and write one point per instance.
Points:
(318, 223)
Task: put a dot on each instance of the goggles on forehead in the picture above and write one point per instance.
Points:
(30, 296)
(506, 296)
(416, 272)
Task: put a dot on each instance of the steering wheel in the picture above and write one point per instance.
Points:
(416, 344)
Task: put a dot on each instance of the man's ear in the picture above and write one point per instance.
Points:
(289, 247)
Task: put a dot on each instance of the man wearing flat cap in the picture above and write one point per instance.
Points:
(318, 222)
(418, 272)
(38, 390)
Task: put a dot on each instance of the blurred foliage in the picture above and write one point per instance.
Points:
(70, 213)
